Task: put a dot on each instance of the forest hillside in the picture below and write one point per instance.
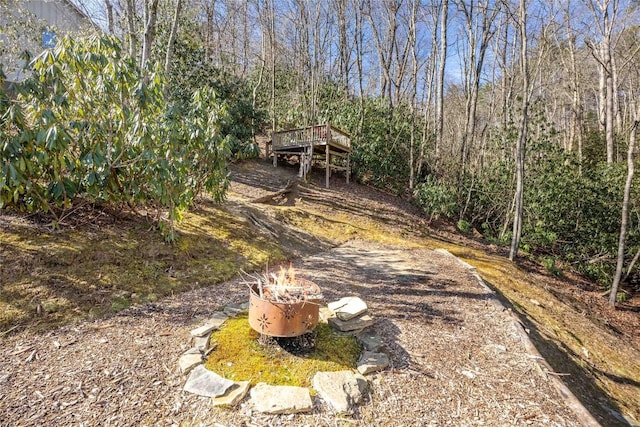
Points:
(103, 270)
(510, 126)
(516, 119)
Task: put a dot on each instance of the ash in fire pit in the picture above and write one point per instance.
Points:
(300, 345)
(283, 305)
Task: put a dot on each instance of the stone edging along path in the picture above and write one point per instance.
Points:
(576, 406)
(341, 390)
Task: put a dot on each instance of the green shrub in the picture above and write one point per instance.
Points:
(571, 213)
(435, 198)
(550, 264)
(90, 124)
(241, 121)
(464, 226)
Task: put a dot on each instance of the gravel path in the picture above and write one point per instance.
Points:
(457, 357)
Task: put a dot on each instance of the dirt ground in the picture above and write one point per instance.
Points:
(458, 358)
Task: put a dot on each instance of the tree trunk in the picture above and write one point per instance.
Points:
(609, 113)
(414, 88)
(150, 15)
(109, 7)
(385, 47)
(245, 39)
(576, 107)
(616, 101)
(131, 29)
(478, 36)
(272, 38)
(359, 44)
(172, 36)
(254, 93)
(604, 13)
(602, 101)
(522, 137)
(344, 54)
(441, 68)
(625, 208)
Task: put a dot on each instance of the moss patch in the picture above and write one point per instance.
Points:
(341, 226)
(50, 278)
(240, 357)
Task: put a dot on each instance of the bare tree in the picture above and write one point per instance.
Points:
(172, 36)
(150, 18)
(359, 47)
(442, 63)
(132, 32)
(109, 7)
(577, 113)
(605, 13)
(413, 41)
(384, 36)
(505, 61)
(431, 18)
(344, 50)
(478, 18)
(272, 43)
(245, 38)
(624, 224)
(522, 135)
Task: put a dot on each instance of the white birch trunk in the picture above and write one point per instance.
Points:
(172, 36)
(522, 137)
(625, 207)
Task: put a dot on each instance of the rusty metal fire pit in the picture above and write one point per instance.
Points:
(279, 310)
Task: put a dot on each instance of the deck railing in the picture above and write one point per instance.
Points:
(340, 137)
(317, 135)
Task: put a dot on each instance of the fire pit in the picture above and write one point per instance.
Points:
(283, 305)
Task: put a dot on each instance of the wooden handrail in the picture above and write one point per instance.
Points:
(321, 134)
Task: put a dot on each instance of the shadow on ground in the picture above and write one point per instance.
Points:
(584, 387)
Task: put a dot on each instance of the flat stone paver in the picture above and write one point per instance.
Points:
(233, 395)
(214, 322)
(357, 323)
(201, 343)
(370, 340)
(372, 362)
(204, 382)
(271, 399)
(348, 307)
(188, 361)
(341, 390)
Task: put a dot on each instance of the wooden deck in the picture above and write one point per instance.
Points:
(324, 143)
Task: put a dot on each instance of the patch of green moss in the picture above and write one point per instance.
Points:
(341, 226)
(240, 356)
(84, 272)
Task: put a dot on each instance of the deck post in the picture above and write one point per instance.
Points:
(302, 170)
(309, 162)
(328, 165)
(275, 155)
(348, 166)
